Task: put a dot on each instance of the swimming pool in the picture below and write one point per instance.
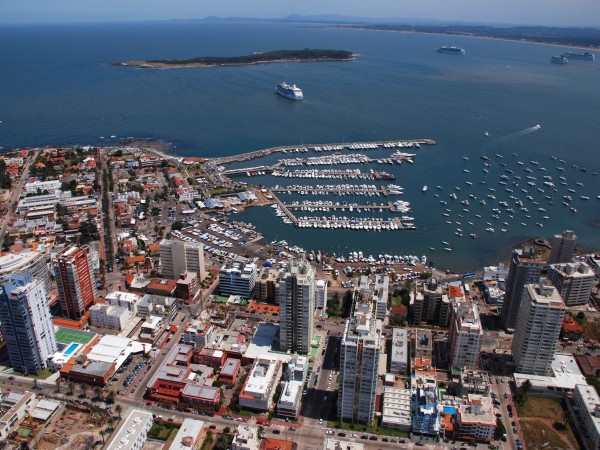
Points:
(71, 348)
(450, 410)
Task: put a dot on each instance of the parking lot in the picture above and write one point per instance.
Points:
(127, 373)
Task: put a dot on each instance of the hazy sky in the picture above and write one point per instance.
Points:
(542, 12)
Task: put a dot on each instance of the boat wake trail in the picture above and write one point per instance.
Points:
(518, 134)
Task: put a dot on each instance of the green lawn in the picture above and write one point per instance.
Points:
(357, 428)
(396, 300)
(41, 375)
(161, 430)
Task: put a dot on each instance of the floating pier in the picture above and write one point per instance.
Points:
(327, 206)
(334, 189)
(343, 222)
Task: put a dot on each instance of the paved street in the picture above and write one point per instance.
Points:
(15, 195)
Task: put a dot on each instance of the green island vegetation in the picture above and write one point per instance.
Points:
(306, 54)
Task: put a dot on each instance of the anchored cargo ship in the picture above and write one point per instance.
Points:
(559, 60)
(292, 91)
(586, 56)
(453, 50)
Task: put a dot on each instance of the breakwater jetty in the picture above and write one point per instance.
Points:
(390, 144)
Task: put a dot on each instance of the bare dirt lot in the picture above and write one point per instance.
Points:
(76, 429)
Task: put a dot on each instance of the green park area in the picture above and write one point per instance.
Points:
(358, 429)
(161, 430)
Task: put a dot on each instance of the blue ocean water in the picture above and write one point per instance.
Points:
(57, 87)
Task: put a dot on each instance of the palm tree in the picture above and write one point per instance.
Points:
(35, 385)
(118, 409)
(110, 421)
(58, 380)
(526, 386)
(565, 418)
(98, 392)
(71, 387)
(84, 390)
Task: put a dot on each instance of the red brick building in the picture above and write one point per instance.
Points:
(174, 382)
(75, 281)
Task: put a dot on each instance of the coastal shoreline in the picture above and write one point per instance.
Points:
(142, 64)
(464, 35)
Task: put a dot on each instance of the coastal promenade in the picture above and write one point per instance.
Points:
(402, 143)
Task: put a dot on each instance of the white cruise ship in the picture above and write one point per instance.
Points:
(292, 91)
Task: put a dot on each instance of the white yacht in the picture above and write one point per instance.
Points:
(292, 91)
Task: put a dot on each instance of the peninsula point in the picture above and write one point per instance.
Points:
(276, 56)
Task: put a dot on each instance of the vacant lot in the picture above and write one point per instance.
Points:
(537, 418)
(541, 407)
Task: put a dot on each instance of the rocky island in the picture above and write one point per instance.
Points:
(276, 56)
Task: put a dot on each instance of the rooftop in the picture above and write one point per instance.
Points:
(201, 391)
(12, 262)
(399, 347)
(123, 297)
(574, 270)
(131, 428)
(566, 375)
(261, 376)
(591, 402)
(477, 410)
(467, 315)
(115, 349)
(230, 366)
(396, 406)
(527, 255)
(338, 444)
(239, 268)
(290, 394)
(262, 343)
(44, 409)
(545, 295)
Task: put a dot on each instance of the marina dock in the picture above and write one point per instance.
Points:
(284, 211)
(327, 206)
(403, 143)
(345, 189)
